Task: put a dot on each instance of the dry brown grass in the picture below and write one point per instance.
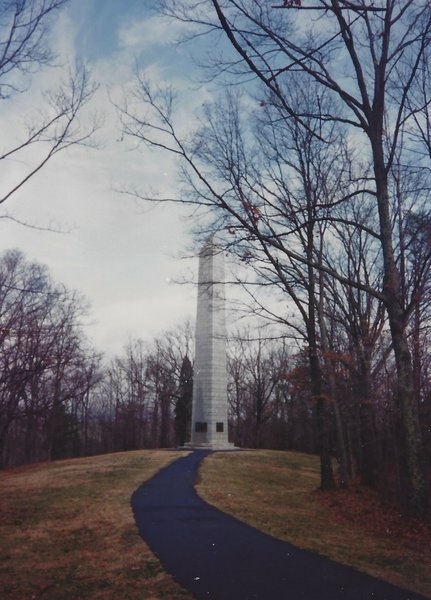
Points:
(67, 531)
(276, 492)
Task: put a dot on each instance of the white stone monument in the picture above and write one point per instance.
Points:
(209, 427)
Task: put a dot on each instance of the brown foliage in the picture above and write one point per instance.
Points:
(362, 508)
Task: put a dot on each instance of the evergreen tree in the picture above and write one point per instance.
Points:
(183, 407)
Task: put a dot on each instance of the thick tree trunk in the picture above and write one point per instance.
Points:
(327, 481)
(367, 459)
(339, 428)
(341, 442)
(417, 353)
(416, 491)
(417, 497)
(258, 421)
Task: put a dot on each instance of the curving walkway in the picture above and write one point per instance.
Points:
(216, 556)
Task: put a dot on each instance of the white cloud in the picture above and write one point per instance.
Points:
(118, 255)
(151, 32)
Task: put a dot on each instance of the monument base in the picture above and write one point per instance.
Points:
(226, 446)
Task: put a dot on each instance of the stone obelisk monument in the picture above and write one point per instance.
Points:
(209, 427)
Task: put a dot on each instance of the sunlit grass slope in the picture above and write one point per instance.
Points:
(67, 531)
(277, 493)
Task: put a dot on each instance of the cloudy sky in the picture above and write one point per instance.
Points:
(121, 255)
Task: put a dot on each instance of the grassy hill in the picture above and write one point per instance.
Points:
(67, 530)
(277, 492)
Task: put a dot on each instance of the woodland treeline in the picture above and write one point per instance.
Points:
(59, 398)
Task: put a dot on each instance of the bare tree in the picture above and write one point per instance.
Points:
(351, 323)
(24, 25)
(25, 50)
(44, 359)
(141, 387)
(166, 362)
(257, 368)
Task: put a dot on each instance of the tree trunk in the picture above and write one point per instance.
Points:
(165, 401)
(327, 481)
(258, 419)
(341, 441)
(416, 490)
(417, 353)
(3, 437)
(368, 452)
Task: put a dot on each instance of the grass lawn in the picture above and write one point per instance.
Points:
(277, 493)
(67, 531)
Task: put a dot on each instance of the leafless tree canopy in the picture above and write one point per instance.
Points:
(24, 27)
(56, 124)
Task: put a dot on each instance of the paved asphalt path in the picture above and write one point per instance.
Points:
(216, 556)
